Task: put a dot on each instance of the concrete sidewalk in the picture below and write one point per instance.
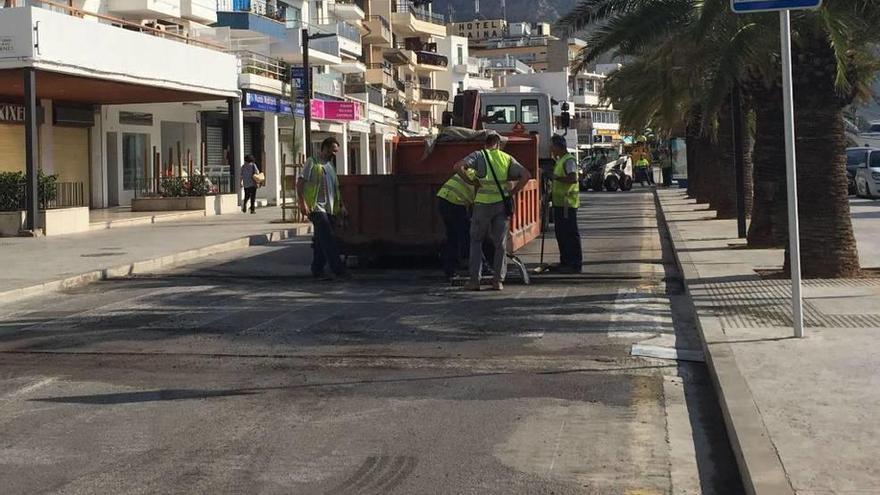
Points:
(802, 414)
(36, 265)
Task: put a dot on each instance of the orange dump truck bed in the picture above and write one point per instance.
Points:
(397, 214)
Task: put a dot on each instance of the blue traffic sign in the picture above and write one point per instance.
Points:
(748, 6)
(297, 77)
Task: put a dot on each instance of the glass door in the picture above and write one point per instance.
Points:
(136, 176)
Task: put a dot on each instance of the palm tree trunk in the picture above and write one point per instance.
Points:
(828, 246)
(769, 222)
(725, 177)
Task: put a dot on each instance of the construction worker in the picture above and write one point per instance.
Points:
(455, 198)
(643, 171)
(493, 169)
(320, 200)
(566, 199)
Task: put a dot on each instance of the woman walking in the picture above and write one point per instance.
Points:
(248, 170)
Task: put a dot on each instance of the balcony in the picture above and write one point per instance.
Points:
(431, 61)
(260, 73)
(327, 84)
(348, 10)
(322, 51)
(349, 38)
(581, 96)
(381, 75)
(409, 20)
(203, 11)
(422, 95)
(380, 31)
(145, 9)
(256, 17)
(423, 56)
(365, 92)
(508, 64)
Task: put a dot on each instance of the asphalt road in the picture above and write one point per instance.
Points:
(242, 375)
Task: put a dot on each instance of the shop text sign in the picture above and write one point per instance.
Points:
(335, 110)
(747, 6)
(10, 112)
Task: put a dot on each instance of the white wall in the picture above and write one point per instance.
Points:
(83, 47)
(553, 83)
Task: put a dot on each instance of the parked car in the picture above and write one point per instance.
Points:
(854, 158)
(867, 176)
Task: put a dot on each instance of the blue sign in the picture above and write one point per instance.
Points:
(297, 78)
(269, 103)
(748, 6)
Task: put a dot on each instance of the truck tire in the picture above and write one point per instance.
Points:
(626, 183)
(612, 183)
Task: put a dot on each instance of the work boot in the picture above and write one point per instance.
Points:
(472, 285)
(244, 209)
(253, 211)
(497, 285)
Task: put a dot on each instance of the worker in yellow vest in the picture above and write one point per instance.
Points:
(493, 171)
(455, 199)
(643, 171)
(320, 200)
(566, 198)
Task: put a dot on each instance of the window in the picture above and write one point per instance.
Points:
(460, 52)
(875, 160)
(500, 114)
(855, 157)
(461, 87)
(292, 16)
(530, 113)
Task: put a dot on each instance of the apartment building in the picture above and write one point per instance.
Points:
(466, 72)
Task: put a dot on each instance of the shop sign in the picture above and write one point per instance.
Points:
(11, 112)
(269, 103)
(336, 110)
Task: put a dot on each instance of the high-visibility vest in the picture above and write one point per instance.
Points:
(457, 191)
(563, 193)
(642, 163)
(488, 193)
(312, 186)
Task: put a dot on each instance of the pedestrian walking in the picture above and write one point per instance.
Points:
(317, 190)
(493, 205)
(248, 171)
(454, 200)
(566, 198)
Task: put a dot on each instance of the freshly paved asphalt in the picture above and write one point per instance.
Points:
(242, 375)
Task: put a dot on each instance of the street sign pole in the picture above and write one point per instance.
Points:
(797, 305)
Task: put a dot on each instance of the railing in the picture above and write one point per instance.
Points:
(509, 63)
(434, 94)
(113, 21)
(176, 187)
(385, 66)
(429, 58)
(345, 30)
(400, 85)
(261, 65)
(258, 7)
(51, 195)
(418, 12)
(373, 94)
(327, 84)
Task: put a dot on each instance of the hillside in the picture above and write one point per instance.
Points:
(517, 10)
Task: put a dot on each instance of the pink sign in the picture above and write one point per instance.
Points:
(335, 110)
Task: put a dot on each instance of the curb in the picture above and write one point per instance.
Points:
(759, 464)
(167, 261)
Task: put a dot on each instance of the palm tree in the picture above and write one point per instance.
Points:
(833, 63)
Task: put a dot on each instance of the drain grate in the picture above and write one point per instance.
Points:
(767, 303)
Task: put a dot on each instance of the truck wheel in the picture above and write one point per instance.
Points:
(596, 182)
(626, 183)
(612, 183)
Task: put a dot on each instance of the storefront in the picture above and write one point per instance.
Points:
(64, 146)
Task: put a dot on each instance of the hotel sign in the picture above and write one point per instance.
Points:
(11, 112)
(479, 29)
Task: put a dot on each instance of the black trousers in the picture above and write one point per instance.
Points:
(249, 193)
(568, 236)
(326, 250)
(458, 224)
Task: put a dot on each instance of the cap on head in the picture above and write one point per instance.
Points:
(492, 139)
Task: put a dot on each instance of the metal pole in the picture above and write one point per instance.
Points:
(30, 138)
(797, 310)
(230, 137)
(739, 146)
(307, 93)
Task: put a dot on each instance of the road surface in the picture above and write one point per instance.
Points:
(243, 375)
